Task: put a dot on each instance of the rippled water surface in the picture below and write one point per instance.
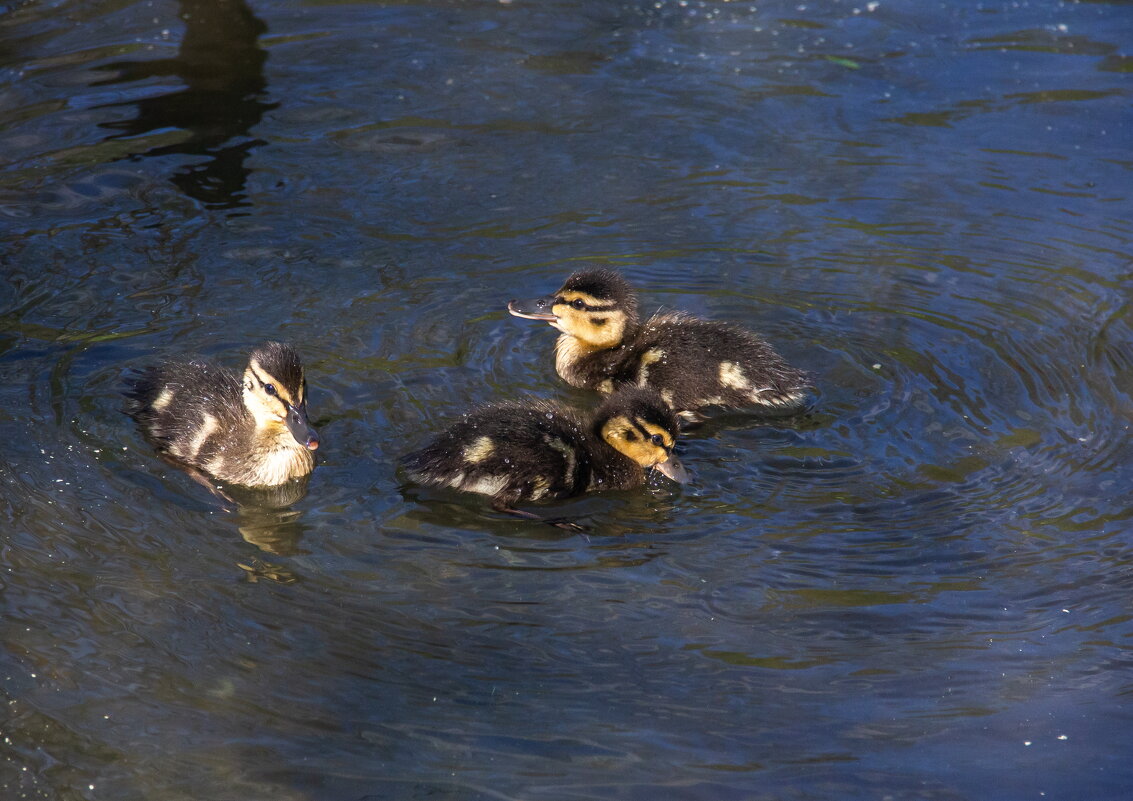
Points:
(918, 590)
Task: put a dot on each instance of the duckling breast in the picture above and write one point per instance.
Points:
(263, 466)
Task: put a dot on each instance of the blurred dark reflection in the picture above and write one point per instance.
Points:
(222, 66)
(265, 518)
(263, 515)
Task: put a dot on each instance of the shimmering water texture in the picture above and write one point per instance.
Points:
(920, 589)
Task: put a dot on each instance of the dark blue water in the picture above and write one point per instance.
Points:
(919, 590)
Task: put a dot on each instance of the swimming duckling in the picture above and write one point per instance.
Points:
(252, 431)
(534, 450)
(693, 363)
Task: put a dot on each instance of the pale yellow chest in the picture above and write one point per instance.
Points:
(569, 351)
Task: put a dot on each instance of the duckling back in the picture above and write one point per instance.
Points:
(517, 451)
(183, 407)
(694, 363)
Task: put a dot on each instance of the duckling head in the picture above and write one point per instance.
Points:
(639, 424)
(275, 392)
(595, 306)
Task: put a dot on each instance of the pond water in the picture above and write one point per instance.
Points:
(918, 589)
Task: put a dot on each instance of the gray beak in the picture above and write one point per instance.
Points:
(535, 309)
(673, 469)
(300, 427)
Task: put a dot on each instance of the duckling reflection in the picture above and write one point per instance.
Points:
(693, 363)
(251, 431)
(264, 515)
(533, 450)
(222, 66)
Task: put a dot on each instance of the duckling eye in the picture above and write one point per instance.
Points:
(578, 304)
(657, 440)
(270, 389)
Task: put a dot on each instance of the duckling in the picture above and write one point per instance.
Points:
(252, 431)
(532, 450)
(693, 363)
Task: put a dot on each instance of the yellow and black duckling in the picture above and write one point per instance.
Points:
(693, 363)
(252, 431)
(533, 450)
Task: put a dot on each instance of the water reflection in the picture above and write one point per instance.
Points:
(265, 517)
(222, 66)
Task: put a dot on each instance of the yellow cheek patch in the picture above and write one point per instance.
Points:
(633, 440)
(278, 409)
(616, 428)
(597, 328)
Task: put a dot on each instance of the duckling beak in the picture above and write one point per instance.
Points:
(673, 469)
(535, 309)
(300, 427)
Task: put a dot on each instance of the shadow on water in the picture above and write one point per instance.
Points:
(222, 65)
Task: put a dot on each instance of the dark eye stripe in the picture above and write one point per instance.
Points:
(585, 306)
(648, 435)
(281, 394)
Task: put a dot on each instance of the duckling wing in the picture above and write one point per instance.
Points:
(695, 363)
(178, 406)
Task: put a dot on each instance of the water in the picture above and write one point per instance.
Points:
(918, 590)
